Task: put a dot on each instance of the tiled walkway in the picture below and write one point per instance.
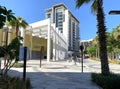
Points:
(56, 75)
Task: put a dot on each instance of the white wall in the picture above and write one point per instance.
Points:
(59, 46)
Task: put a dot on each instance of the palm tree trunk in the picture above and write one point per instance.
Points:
(17, 29)
(102, 38)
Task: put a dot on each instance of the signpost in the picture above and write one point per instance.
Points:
(81, 48)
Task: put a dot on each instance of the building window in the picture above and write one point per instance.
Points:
(73, 28)
(70, 32)
(59, 20)
(48, 15)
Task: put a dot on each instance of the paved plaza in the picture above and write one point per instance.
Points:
(56, 75)
(61, 74)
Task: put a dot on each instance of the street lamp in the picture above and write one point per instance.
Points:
(81, 49)
(114, 12)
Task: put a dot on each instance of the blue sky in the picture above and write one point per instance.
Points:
(34, 10)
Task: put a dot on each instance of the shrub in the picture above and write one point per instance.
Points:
(18, 65)
(118, 62)
(16, 83)
(111, 81)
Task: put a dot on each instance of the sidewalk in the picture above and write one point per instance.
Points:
(56, 75)
(95, 66)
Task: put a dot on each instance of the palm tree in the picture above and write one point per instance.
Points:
(17, 24)
(97, 6)
(116, 32)
(5, 15)
(116, 40)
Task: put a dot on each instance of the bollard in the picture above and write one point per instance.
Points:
(24, 67)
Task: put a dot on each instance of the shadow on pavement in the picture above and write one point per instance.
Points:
(58, 80)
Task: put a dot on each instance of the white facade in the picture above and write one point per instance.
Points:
(62, 28)
(66, 23)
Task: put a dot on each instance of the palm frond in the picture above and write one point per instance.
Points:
(94, 6)
(79, 3)
(22, 22)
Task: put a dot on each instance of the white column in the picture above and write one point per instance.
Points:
(3, 39)
(57, 58)
(54, 47)
(48, 42)
(55, 44)
(23, 35)
(8, 37)
(31, 45)
(9, 32)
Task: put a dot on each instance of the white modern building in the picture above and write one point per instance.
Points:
(60, 29)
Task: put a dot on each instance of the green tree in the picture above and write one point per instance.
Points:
(116, 40)
(17, 23)
(12, 53)
(96, 44)
(116, 32)
(5, 15)
(110, 45)
(91, 50)
(97, 7)
(116, 36)
(14, 46)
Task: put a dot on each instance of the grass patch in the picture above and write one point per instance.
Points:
(94, 58)
(114, 61)
(111, 81)
(118, 62)
(17, 65)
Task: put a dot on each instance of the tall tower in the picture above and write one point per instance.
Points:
(66, 23)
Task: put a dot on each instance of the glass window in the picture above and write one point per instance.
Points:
(48, 15)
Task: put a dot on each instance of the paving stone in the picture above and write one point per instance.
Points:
(56, 75)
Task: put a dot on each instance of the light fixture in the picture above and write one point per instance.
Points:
(114, 12)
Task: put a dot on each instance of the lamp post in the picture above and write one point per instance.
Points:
(114, 12)
(81, 48)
